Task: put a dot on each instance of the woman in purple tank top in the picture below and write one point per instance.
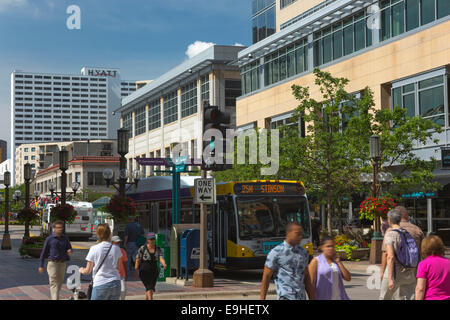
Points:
(327, 272)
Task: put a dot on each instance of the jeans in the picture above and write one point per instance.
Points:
(107, 291)
(131, 254)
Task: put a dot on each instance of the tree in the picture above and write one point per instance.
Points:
(323, 154)
(399, 134)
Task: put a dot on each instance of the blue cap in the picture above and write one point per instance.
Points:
(150, 236)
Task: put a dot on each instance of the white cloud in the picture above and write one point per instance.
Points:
(197, 47)
(8, 4)
(237, 44)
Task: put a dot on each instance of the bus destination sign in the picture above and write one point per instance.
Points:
(261, 188)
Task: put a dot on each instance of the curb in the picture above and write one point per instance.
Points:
(202, 295)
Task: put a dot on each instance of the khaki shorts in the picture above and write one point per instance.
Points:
(404, 285)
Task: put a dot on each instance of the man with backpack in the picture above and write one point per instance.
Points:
(402, 256)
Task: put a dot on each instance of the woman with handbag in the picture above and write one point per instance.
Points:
(103, 260)
(146, 265)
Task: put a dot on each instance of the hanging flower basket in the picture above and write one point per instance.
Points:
(376, 207)
(28, 214)
(63, 212)
(121, 208)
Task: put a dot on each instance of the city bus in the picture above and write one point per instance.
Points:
(82, 226)
(248, 220)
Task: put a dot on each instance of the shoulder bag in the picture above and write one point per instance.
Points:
(91, 284)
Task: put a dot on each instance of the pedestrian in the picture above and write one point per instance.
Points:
(400, 275)
(315, 228)
(433, 273)
(103, 260)
(57, 249)
(132, 233)
(123, 269)
(412, 229)
(384, 225)
(327, 271)
(146, 265)
(288, 261)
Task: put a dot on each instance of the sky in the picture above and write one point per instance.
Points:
(143, 38)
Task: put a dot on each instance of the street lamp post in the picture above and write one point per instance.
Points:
(63, 166)
(6, 242)
(374, 182)
(122, 175)
(27, 177)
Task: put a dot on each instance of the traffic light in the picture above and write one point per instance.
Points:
(215, 123)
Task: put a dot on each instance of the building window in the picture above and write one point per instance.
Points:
(78, 177)
(424, 96)
(250, 75)
(285, 3)
(170, 107)
(189, 99)
(287, 120)
(286, 62)
(232, 91)
(342, 38)
(204, 88)
(398, 16)
(127, 121)
(154, 114)
(139, 121)
(263, 20)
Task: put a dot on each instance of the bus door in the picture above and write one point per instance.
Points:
(221, 235)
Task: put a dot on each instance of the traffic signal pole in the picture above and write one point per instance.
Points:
(203, 277)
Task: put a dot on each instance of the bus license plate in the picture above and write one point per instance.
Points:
(269, 245)
(83, 227)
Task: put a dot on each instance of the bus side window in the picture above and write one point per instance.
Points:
(232, 231)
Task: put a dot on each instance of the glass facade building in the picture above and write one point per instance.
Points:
(263, 19)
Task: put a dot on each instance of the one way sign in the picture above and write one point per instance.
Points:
(205, 191)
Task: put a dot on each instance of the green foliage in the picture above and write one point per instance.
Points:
(32, 242)
(336, 147)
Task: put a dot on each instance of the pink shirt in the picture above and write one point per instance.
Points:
(436, 270)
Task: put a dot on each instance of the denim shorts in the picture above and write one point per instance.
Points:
(107, 291)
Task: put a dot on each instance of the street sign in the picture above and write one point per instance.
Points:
(180, 163)
(205, 191)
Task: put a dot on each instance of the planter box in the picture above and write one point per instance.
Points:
(34, 252)
(356, 254)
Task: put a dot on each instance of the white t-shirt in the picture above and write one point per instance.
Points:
(335, 291)
(108, 272)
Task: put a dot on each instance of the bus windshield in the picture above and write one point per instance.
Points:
(268, 216)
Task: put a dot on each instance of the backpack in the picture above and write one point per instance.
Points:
(407, 253)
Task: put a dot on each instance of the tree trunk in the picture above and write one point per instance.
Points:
(340, 216)
(329, 211)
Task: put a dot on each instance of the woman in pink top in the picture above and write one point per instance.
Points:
(433, 273)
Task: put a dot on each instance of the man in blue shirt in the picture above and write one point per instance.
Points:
(57, 249)
(289, 262)
(132, 232)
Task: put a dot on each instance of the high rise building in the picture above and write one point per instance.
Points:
(65, 107)
(3, 150)
(399, 48)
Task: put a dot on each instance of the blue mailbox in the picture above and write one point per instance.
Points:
(189, 251)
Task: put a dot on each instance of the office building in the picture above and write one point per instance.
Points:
(166, 112)
(401, 51)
